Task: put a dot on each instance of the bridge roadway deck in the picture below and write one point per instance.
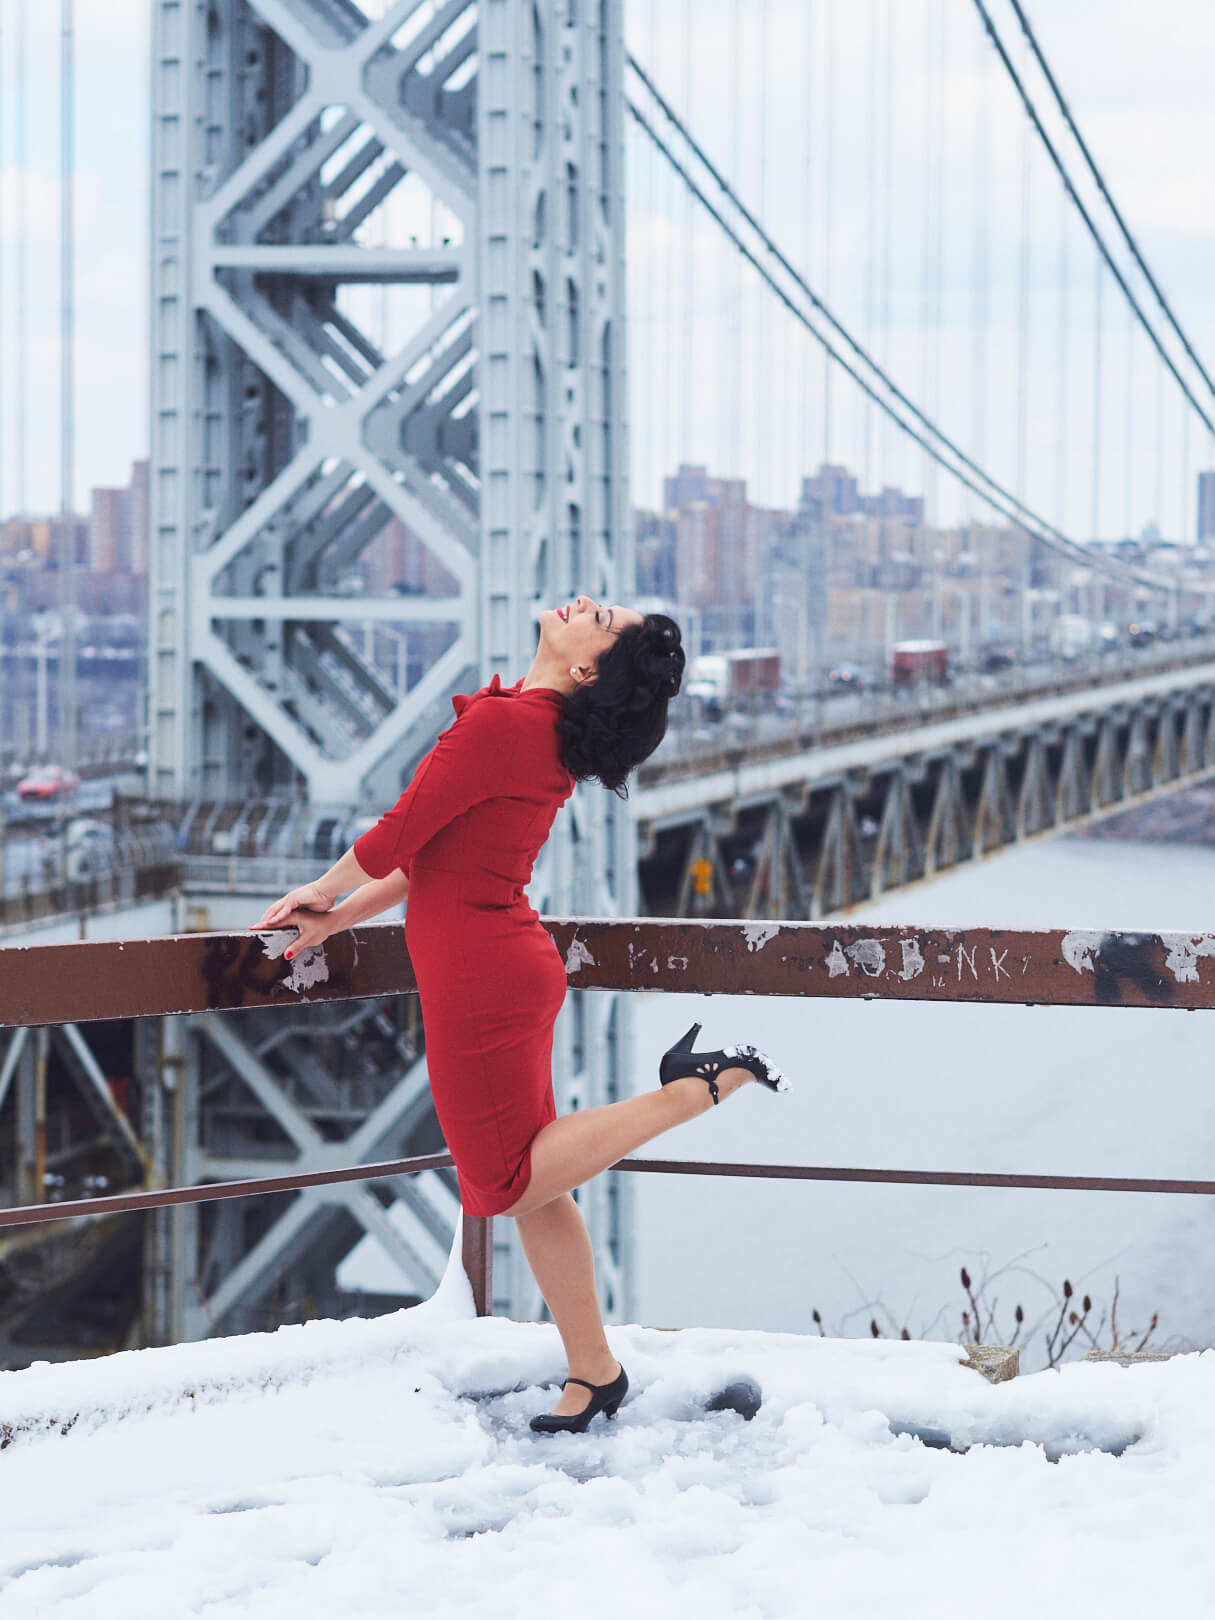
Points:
(671, 800)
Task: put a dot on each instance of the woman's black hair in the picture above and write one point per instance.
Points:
(615, 721)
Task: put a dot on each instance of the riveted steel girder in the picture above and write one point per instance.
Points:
(388, 318)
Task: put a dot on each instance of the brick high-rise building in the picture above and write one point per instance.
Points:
(108, 520)
(118, 527)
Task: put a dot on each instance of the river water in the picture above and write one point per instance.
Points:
(1051, 1090)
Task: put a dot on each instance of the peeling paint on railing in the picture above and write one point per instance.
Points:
(52, 984)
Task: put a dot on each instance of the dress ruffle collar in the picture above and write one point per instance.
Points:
(496, 689)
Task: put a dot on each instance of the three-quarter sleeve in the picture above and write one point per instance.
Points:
(471, 761)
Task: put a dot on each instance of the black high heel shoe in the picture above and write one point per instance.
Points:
(605, 1398)
(680, 1060)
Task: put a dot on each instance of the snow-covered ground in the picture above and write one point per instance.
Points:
(386, 1468)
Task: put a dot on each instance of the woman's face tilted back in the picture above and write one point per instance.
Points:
(579, 632)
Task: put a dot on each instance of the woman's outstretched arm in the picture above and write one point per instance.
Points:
(345, 874)
(368, 900)
(315, 923)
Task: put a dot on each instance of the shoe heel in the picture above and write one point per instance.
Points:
(674, 1062)
(685, 1043)
(610, 1411)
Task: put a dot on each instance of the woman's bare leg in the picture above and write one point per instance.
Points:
(578, 1146)
(558, 1249)
(565, 1154)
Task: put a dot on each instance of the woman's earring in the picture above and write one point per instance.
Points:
(574, 673)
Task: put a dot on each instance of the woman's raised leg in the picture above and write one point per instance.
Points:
(578, 1146)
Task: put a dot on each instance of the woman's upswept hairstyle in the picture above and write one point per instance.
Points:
(615, 721)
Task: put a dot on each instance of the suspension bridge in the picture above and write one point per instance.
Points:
(442, 294)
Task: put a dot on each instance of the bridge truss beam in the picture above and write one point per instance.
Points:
(807, 850)
(387, 297)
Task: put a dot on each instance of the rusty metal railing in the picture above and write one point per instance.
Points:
(89, 980)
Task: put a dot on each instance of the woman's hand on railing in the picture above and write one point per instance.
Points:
(309, 897)
(314, 927)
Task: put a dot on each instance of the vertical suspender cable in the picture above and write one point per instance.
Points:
(871, 141)
(764, 307)
(1023, 288)
(1097, 339)
(812, 582)
(788, 458)
(807, 104)
(887, 226)
(3, 233)
(67, 384)
(644, 437)
(1128, 494)
(1062, 427)
(938, 256)
(666, 326)
(687, 345)
(1158, 501)
(1184, 535)
(21, 394)
(1023, 327)
(734, 397)
(980, 273)
(927, 146)
(886, 458)
(828, 204)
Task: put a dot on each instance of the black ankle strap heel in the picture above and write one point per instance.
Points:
(680, 1060)
(605, 1398)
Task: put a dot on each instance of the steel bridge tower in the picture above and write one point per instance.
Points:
(387, 288)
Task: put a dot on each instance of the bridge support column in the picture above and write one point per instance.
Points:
(995, 821)
(1137, 766)
(946, 842)
(840, 879)
(1105, 782)
(778, 887)
(1072, 789)
(30, 1080)
(899, 855)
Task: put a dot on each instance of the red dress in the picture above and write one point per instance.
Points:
(466, 832)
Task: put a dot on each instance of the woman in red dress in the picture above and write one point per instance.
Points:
(460, 844)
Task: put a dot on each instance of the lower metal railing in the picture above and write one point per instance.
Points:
(224, 972)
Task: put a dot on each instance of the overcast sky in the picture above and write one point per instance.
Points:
(719, 374)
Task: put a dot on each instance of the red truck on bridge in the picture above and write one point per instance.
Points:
(915, 661)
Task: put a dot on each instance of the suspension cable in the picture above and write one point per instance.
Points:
(1105, 192)
(970, 474)
(1000, 501)
(1094, 232)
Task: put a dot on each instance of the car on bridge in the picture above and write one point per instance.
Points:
(47, 782)
(845, 678)
(994, 660)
